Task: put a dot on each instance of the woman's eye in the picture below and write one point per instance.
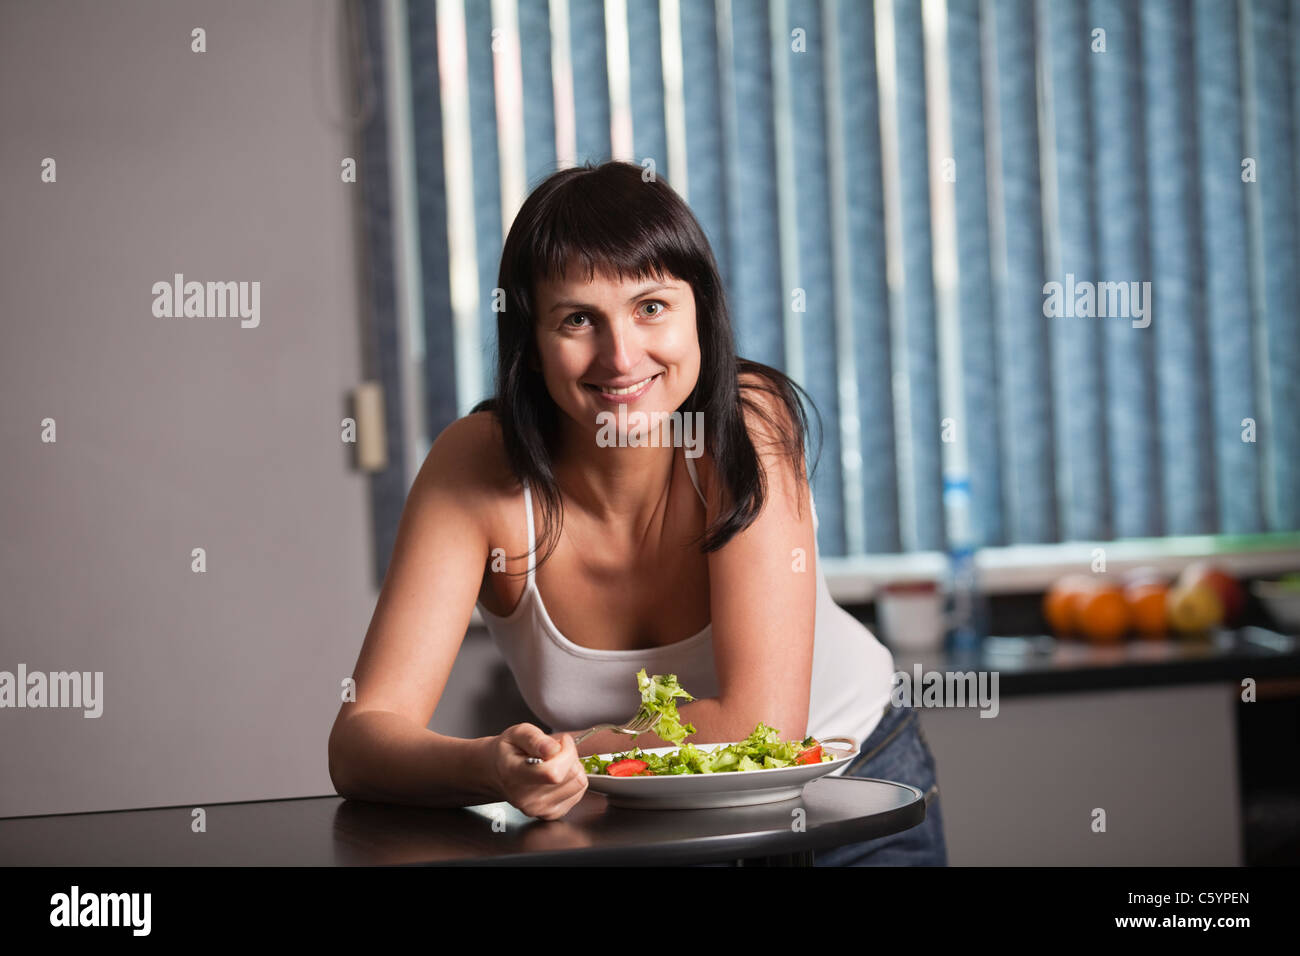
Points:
(658, 307)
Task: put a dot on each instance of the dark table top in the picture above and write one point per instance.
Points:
(331, 831)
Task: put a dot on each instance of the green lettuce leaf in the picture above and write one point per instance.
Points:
(659, 696)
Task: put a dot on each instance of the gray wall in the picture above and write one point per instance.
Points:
(187, 432)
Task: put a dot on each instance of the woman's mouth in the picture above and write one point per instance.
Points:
(623, 395)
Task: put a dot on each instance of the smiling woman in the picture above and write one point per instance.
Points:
(709, 571)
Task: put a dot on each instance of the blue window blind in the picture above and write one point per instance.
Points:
(1185, 440)
(1271, 140)
(917, 299)
(1143, 151)
(979, 359)
(814, 326)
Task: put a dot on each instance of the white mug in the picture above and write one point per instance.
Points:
(912, 616)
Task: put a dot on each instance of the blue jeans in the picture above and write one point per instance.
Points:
(896, 750)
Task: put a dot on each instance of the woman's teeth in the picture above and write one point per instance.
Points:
(622, 391)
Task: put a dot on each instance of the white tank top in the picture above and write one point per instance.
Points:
(570, 687)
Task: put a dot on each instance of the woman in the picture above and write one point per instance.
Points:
(697, 559)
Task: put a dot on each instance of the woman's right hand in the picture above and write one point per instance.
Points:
(547, 790)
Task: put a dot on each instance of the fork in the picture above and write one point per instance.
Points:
(638, 724)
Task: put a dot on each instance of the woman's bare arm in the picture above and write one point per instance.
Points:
(380, 747)
(387, 758)
(763, 592)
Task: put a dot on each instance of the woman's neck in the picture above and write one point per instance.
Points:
(615, 486)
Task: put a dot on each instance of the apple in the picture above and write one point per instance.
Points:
(1194, 608)
(1232, 597)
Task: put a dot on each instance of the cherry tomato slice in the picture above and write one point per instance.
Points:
(630, 767)
(811, 755)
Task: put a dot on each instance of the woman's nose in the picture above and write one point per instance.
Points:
(622, 347)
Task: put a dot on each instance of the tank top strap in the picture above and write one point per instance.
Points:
(532, 544)
(695, 479)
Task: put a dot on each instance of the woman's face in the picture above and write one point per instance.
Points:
(614, 333)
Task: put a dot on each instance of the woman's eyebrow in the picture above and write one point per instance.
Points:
(574, 304)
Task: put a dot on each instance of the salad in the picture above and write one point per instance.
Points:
(761, 750)
(659, 696)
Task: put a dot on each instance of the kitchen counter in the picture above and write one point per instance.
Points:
(1155, 733)
(1044, 664)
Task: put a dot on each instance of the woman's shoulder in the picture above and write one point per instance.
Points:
(468, 459)
(770, 425)
(767, 416)
(774, 428)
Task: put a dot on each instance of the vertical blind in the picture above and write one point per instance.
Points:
(832, 149)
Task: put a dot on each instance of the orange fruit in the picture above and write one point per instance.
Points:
(1061, 602)
(1058, 608)
(1103, 615)
(1148, 608)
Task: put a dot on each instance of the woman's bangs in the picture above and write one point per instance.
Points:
(580, 252)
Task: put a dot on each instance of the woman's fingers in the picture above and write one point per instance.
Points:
(563, 798)
(548, 789)
(532, 741)
(563, 765)
(566, 781)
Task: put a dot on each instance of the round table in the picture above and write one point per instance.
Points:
(331, 831)
(830, 812)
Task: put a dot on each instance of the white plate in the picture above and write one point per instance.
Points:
(735, 788)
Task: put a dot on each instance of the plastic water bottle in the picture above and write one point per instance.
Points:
(967, 618)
